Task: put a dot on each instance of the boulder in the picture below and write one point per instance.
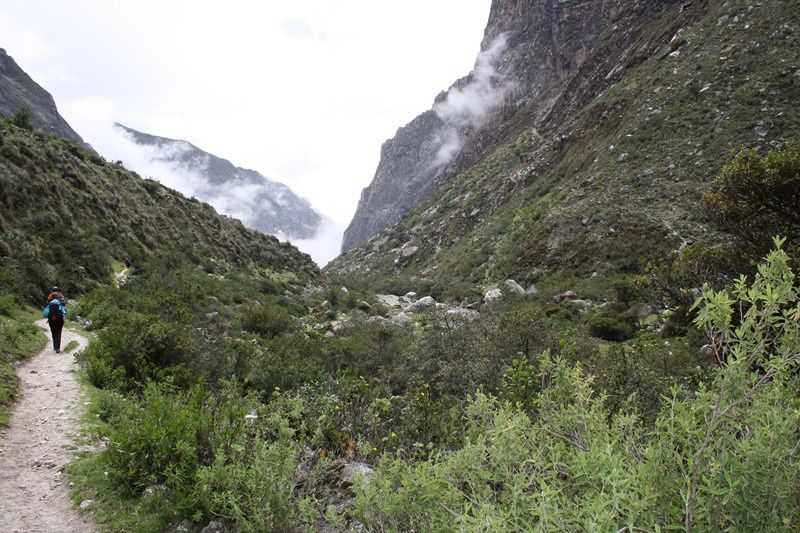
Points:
(492, 297)
(469, 314)
(353, 471)
(569, 295)
(86, 504)
(423, 304)
(513, 287)
(411, 297)
(218, 525)
(408, 251)
(389, 300)
(401, 319)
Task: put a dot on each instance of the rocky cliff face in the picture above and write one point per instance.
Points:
(614, 118)
(262, 204)
(531, 50)
(18, 91)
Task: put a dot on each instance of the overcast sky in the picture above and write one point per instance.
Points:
(304, 92)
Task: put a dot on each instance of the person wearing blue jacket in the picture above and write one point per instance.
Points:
(55, 313)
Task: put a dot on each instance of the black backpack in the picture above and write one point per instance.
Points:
(55, 314)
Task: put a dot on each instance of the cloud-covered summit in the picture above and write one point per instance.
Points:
(262, 204)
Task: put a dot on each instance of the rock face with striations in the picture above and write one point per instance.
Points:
(18, 91)
(262, 204)
(530, 52)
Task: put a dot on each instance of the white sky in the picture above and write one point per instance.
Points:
(304, 92)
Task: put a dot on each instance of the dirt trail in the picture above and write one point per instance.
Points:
(38, 443)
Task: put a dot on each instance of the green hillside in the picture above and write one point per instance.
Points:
(66, 214)
(611, 182)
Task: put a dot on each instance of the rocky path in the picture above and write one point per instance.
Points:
(38, 443)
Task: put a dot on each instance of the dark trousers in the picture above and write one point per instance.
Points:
(55, 329)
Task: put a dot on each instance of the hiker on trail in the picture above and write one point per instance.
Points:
(55, 313)
(55, 294)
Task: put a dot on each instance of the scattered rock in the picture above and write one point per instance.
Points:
(218, 525)
(411, 297)
(408, 251)
(344, 290)
(707, 350)
(329, 334)
(531, 291)
(569, 295)
(474, 306)
(401, 319)
(337, 325)
(513, 287)
(353, 471)
(492, 297)
(86, 504)
(389, 300)
(423, 304)
(184, 526)
(469, 314)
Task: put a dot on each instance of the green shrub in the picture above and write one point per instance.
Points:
(22, 119)
(268, 319)
(722, 458)
(611, 328)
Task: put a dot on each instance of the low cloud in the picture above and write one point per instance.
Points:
(469, 106)
(325, 245)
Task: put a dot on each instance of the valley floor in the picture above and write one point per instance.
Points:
(39, 442)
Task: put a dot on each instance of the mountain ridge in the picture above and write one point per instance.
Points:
(18, 91)
(269, 206)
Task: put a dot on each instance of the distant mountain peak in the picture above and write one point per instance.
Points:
(18, 91)
(262, 204)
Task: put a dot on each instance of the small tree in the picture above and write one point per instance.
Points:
(22, 119)
(756, 197)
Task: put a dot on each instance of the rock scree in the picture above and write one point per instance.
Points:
(39, 442)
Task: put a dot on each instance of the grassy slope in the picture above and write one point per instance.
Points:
(66, 213)
(616, 183)
(19, 339)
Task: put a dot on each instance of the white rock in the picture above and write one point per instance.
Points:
(423, 304)
(401, 319)
(492, 297)
(532, 291)
(85, 504)
(513, 287)
(468, 314)
(353, 471)
(411, 297)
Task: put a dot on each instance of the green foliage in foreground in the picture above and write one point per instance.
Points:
(725, 458)
(548, 448)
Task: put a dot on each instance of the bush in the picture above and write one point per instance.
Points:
(611, 328)
(22, 119)
(135, 348)
(722, 458)
(269, 319)
(756, 197)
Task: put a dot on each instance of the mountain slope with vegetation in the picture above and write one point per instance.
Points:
(18, 92)
(66, 214)
(262, 204)
(611, 174)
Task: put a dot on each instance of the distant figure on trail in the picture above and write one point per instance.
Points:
(55, 294)
(55, 313)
